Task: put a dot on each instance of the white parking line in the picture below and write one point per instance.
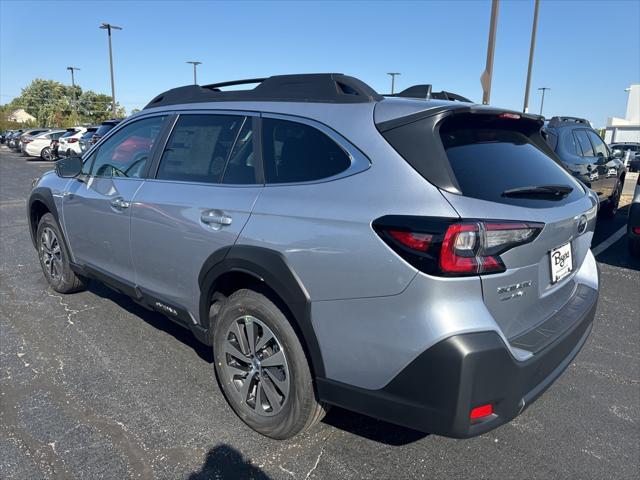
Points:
(602, 246)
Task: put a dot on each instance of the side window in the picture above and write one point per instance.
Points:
(199, 148)
(585, 144)
(127, 152)
(570, 144)
(598, 145)
(295, 152)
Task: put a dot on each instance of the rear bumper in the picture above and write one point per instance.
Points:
(436, 392)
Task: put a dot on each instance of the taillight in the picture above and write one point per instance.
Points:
(454, 248)
(72, 140)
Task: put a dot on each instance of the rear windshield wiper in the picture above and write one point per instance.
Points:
(554, 192)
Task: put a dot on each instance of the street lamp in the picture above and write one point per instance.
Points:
(544, 89)
(195, 64)
(108, 27)
(532, 48)
(73, 86)
(393, 79)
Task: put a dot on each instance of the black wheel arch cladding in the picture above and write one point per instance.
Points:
(43, 196)
(271, 268)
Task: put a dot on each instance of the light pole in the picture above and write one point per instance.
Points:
(393, 79)
(195, 64)
(73, 87)
(544, 89)
(108, 27)
(534, 29)
(485, 78)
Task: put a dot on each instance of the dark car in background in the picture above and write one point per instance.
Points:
(86, 139)
(588, 158)
(13, 138)
(103, 129)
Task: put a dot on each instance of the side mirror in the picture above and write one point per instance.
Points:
(69, 167)
(617, 154)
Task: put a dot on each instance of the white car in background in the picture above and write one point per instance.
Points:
(69, 142)
(40, 145)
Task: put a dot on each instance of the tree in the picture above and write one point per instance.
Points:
(55, 104)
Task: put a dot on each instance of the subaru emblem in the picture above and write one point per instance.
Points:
(582, 224)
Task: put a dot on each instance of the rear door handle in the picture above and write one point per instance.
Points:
(119, 203)
(215, 218)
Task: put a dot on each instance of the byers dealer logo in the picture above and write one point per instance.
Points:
(559, 259)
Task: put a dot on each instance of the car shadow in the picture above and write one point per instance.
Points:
(617, 254)
(361, 425)
(155, 319)
(223, 462)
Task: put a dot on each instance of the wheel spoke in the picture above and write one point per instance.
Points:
(281, 385)
(236, 371)
(275, 360)
(251, 335)
(264, 339)
(234, 352)
(242, 338)
(270, 391)
(258, 405)
(244, 390)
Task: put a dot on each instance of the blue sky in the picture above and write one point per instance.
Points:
(588, 52)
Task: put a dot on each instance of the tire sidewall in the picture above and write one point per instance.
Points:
(300, 402)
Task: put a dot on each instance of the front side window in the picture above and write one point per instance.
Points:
(294, 152)
(127, 152)
(200, 147)
(585, 144)
(598, 145)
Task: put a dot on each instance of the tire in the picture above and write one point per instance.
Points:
(610, 209)
(634, 247)
(54, 257)
(46, 154)
(289, 404)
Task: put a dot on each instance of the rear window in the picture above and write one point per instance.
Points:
(68, 134)
(104, 128)
(88, 135)
(489, 161)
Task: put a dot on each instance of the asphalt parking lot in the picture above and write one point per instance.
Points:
(94, 386)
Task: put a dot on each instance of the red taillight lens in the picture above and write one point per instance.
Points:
(72, 140)
(415, 241)
(442, 247)
(636, 230)
(481, 412)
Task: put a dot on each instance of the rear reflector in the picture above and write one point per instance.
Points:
(512, 116)
(636, 230)
(481, 412)
(415, 241)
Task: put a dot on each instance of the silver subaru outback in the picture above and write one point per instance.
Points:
(425, 262)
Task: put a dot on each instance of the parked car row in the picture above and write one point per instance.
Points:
(629, 153)
(51, 143)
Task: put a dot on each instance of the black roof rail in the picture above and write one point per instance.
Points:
(308, 87)
(556, 121)
(426, 92)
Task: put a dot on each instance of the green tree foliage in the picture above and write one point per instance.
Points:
(54, 104)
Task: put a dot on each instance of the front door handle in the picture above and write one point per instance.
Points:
(119, 203)
(215, 218)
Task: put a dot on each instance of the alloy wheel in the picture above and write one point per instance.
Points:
(256, 366)
(51, 253)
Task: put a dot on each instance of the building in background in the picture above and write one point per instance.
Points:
(626, 129)
(20, 116)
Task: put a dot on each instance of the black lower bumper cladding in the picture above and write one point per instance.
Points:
(437, 391)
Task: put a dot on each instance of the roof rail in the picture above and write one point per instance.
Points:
(309, 87)
(556, 121)
(425, 92)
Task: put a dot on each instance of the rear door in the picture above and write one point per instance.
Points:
(205, 185)
(596, 168)
(489, 159)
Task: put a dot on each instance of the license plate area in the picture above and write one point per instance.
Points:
(561, 262)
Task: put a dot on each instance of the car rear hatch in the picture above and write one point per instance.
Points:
(532, 221)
